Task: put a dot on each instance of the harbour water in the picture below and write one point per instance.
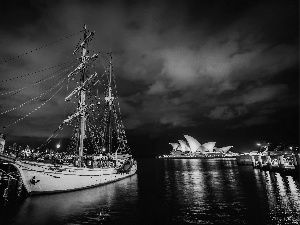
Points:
(177, 191)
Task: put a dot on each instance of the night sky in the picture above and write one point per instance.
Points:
(223, 71)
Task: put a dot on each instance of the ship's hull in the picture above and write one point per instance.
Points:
(42, 178)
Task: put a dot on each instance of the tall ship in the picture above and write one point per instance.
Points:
(98, 152)
(191, 148)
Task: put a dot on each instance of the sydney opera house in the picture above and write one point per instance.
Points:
(191, 148)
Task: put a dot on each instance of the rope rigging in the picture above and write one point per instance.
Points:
(48, 90)
(60, 127)
(18, 77)
(54, 42)
(98, 120)
(121, 135)
(73, 145)
(92, 114)
(38, 82)
(28, 114)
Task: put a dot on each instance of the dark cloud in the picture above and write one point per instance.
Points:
(226, 112)
(179, 64)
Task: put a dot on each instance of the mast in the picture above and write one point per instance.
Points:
(81, 90)
(82, 98)
(109, 100)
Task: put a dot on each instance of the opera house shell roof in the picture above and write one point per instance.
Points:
(193, 146)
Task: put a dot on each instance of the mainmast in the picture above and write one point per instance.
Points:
(81, 110)
(82, 98)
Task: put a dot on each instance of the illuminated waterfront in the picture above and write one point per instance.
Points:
(181, 191)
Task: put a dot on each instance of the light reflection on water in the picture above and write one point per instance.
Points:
(92, 206)
(219, 192)
(187, 191)
(283, 198)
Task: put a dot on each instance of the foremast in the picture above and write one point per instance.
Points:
(109, 101)
(113, 116)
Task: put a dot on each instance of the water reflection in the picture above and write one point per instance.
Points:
(219, 192)
(91, 206)
(283, 198)
(204, 191)
(177, 192)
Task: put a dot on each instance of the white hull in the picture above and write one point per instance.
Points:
(42, 178)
